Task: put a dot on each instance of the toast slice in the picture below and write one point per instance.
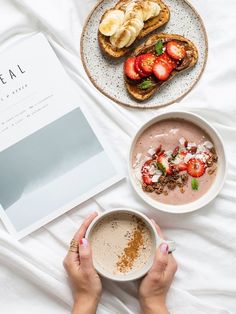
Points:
(149, 26)
(149, 46)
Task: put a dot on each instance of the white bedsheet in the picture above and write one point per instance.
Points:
(32, 279)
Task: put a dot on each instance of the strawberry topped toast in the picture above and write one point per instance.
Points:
(175, 161)
(157, 61)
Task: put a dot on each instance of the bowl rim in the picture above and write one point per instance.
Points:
(142, 271)
(203, 200)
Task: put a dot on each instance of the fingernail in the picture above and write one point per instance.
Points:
(164, 248)
(90, 215)
(83, 242)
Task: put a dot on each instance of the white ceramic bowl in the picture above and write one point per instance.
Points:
(156, 241)
(221, 168)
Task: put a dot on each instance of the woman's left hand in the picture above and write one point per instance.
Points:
(85, 282)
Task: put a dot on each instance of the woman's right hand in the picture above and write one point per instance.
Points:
(85, 282)
(155, 285)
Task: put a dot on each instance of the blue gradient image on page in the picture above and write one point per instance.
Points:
(48, 169)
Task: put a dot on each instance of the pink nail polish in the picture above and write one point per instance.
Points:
(90, 215)
(164, 248)
(83, 242)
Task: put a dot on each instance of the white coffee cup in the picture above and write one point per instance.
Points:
(156, 242)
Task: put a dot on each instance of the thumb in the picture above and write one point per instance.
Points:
(161, 259)
(85, 254)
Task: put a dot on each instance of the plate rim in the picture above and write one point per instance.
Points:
(139, 105)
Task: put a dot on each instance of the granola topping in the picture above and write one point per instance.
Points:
(165, 170)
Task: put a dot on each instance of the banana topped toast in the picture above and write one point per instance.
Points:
(129, 21)
(157, 61)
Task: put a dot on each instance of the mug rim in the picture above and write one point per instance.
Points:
(155, 237)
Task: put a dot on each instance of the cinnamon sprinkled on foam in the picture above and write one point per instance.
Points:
(132, 250)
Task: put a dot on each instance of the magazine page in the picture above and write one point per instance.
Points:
(50, 156)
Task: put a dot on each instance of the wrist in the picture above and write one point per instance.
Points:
(153, 306)
(85, 305)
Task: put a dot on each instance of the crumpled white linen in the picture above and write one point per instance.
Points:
(32, 278)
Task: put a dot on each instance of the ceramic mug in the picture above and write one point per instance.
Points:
(156, 242)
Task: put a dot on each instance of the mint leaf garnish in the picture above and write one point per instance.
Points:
(160, 167)
(159, 47)
(195, 184)
(146, 84)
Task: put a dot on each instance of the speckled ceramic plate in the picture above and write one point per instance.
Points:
(107, 74)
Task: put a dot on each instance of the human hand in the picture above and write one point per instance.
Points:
(155, 285)
(85, 282)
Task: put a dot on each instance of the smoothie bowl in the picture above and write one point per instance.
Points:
(177, 162)
(124, 243)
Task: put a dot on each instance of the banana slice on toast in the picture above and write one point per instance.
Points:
(111, 22)
(129, 21)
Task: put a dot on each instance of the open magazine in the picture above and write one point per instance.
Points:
(51, 155)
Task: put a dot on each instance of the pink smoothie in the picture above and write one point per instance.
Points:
(171, 133)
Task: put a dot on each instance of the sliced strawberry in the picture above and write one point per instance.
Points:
(146, 165)
(137, 67)
(175, 151)
(182, 166)
(146, 177)
(163, 66)
(146, 63)
(175, 50)
(195, 167)
(165, 58)
(130, 70)
(163, 159)
(161, 70)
